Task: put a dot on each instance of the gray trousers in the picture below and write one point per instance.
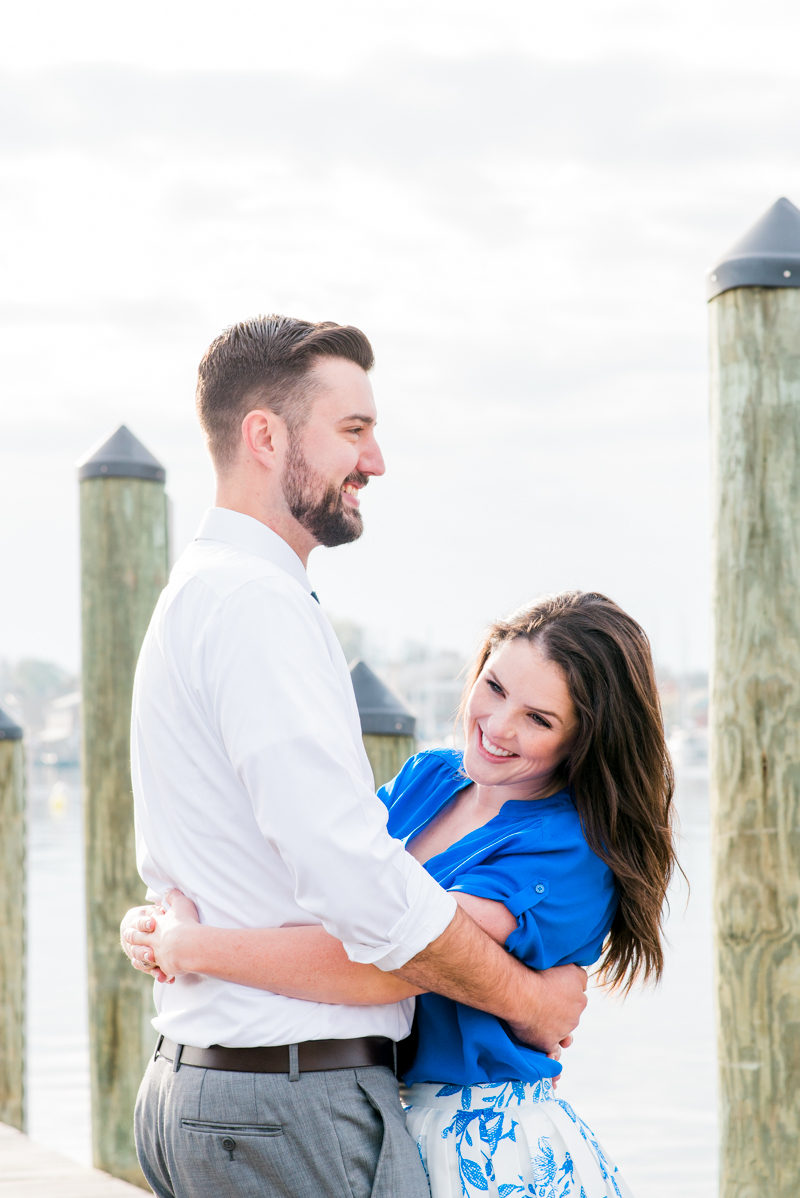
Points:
(207, 1133)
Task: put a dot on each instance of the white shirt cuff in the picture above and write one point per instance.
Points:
(440, 912)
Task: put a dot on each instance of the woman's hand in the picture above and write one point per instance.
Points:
(159, 939)
(300, 962)
(556, 1056)
(140, 917)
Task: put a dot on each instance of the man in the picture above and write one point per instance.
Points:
(254, 796)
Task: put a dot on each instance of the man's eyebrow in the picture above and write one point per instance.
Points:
(359, 418)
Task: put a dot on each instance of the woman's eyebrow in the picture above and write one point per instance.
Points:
(536, 710)
(552, 714)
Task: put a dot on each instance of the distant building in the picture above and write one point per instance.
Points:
(684, 702)
(431, 683)
(59, 741)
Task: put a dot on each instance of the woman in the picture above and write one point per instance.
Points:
(554, 831)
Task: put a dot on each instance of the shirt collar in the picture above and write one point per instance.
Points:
(251, 536)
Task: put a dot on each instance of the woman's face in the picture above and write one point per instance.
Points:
(520, 721)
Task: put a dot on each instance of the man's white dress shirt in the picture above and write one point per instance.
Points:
(254, 795)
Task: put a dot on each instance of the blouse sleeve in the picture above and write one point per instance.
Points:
(563, 899)
(388, 792)
(421, 774)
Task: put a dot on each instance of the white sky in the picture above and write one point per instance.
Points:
(516, 201)
(318, 37)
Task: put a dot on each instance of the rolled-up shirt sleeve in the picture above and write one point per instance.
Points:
(275, 699)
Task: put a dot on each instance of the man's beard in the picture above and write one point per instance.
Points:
(319, 508)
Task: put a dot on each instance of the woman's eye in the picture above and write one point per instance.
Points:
(539, 720)
(498, 690)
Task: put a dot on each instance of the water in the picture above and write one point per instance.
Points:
(642, 1073)
(59, 1113)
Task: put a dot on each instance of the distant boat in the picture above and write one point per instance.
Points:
(688, 748)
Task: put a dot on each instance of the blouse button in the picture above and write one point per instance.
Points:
(540, 889)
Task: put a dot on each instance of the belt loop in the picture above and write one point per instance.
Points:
(294, 1063)
(158, 1046)
(176, 1064)
(394, 1057)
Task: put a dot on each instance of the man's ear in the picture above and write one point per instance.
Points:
(264, 436)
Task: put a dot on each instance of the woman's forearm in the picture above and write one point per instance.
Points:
(303, 962)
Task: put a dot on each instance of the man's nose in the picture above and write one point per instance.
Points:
(371, 461)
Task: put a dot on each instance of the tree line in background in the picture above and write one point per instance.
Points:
(45, 698)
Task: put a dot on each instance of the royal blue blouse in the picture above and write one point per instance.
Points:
(533, 857)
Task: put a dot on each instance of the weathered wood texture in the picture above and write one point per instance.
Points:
(386, 754)
(755, 410)
(12, 934)
(29, 1171)
(123, 570)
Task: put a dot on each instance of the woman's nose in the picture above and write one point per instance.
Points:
(500, 729)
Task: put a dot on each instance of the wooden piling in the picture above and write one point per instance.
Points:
(387, 726)
(755, 711)
(12, 924)
(387, 754)
(124, 557)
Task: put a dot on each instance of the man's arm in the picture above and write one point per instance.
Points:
(307, 963)
(465, 964)
(287, 721)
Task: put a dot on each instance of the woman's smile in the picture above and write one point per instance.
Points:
(490, 749)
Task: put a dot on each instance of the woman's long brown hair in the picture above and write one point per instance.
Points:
(619, 770)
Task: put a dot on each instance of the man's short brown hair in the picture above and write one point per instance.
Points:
(264, 362)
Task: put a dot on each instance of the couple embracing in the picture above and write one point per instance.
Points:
(300, 925)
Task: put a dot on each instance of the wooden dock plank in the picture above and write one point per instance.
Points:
(29, 1171)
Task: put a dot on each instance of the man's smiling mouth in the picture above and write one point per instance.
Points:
(351, 491)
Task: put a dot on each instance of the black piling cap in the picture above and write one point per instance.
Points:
(768, 255)
(8, 729)
(382, 712)
(121, 456)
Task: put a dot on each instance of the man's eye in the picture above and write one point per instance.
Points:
(356, 430)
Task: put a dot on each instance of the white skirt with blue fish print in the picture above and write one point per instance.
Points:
(507, 1140)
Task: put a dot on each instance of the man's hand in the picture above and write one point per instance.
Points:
(559, 998)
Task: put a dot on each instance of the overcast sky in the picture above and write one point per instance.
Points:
(517, 202)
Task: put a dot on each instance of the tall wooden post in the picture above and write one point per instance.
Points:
(123, 570)
(12, 924)
(387, 726)
(755, 715)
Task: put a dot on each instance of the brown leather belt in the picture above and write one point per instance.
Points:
(312, 1056)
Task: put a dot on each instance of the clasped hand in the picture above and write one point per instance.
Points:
(153, 936)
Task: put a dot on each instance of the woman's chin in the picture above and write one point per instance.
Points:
(468, 763)
(485, 773)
